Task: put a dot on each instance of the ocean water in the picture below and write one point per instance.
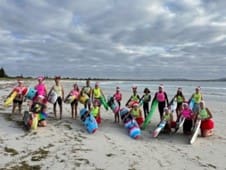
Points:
(212, 90)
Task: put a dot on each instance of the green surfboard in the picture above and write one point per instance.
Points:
(104, 102)
(150, 114)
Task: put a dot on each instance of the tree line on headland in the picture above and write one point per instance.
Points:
(4, 75)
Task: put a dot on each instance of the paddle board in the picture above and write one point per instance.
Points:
(31, 93)
(134, 132)
(196, 132)
(191, 104)
(30, 120)
(150, 114)
(88, 121)
(52, 98)
(10, 99)
(159, 128)
(69, 99)
(34, 124)
(83, 98)
(141, 103)
(104, 102)
(130, 123)
(179, 123)
(27, 120)
(173, 106)
(113, 104)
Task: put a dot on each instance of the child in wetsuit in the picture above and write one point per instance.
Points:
(95, 111)
(168, 117)
(133, 98)
(118, 97)
(18, 100)
(74, 104)
(137, 114)
(146, 98)
(59, 90)
(162, 99)
(187, 113)
(39, 109)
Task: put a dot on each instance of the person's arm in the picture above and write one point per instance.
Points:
(141, 98)
(90, 92)
(140, 113)
(190, 98)
(172, 99)
(92, 95)
(171, 117)
(120, 96)
(62, 89)
(138, 97)
(209, 113)
(46, 91)
(183, 98)
(98, 111)
(201, 97)
(128, 101)
(149, 98)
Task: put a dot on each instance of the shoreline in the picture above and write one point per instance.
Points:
(119, 79)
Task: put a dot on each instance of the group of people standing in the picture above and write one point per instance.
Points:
(198, 111)
(93, 96)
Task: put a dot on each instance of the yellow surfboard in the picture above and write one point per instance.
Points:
(34, 122)
(9, 99)
(83, 99)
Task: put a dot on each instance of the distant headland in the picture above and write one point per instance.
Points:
(4, 75)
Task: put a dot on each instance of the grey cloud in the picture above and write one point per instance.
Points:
(113, 38)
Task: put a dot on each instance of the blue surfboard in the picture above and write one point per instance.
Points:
(88, 120)
(130, 123)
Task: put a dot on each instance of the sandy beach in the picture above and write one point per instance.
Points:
(65, 144)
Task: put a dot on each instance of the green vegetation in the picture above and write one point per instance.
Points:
(2, 73)
(11, 151)
(23, 166)
(39, 154)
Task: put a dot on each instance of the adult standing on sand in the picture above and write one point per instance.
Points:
(18, 101)
(41, 90)
(74, 104)
(197, 98)
(87, 89)
(59, 90)
(97, 93)
(118, 97)
(162, 98)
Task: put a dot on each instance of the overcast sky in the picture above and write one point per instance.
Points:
(114, 38)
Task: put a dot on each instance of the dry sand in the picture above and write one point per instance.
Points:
(64, 144)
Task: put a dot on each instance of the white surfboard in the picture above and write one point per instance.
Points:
(196, 132)
(159, 128)
(179, 124)
(52, 97)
